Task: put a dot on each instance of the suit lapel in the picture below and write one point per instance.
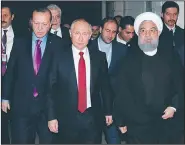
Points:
(30, 57)
(93, 68)
(113, 57)
(70, 69)
(45, 56)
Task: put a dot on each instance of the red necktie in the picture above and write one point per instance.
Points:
(82, 92)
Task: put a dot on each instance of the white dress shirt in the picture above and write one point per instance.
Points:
(173, 29)
(10, 39)
(9, 44)
(76, 58)
(59, 32)
(120, 40)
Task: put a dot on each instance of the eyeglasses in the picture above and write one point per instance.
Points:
(151, 31)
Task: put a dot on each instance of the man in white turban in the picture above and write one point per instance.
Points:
(150, 86)
(148, 26)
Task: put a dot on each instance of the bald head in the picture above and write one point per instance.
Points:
(80, 33)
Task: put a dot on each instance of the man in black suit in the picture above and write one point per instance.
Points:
(172, 35)
(7, 16)
(26, 81)
(57, 27)
(115, 52)
(79, 75)
(126, 30)
(150, 91)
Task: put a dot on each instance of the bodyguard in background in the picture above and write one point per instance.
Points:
(115, 52)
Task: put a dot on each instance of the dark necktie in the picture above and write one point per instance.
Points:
(3, 53)
(172, 38)
(55, 32)
(82, 92)
(37, 62)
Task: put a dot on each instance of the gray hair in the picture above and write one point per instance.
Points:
(80, 20)
(55, 7)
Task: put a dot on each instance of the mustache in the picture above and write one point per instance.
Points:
(171, 20)
(3, 22)
(148, 38)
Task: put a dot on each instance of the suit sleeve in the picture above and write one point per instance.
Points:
(106, 91)
(178, 82)
(10, 75)
(52, 86)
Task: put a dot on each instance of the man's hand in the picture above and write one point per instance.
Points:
(123, 129)
(168, 113)
(108, 120)
(53, 126)
(5, 106)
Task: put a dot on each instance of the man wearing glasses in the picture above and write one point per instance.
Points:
(150, 91)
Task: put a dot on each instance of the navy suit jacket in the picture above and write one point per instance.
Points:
(20, 79)
(119, 51)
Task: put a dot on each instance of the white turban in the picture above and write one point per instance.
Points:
(148, 16)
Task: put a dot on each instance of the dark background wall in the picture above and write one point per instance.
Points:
(90, 10)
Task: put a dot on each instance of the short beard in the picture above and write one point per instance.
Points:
(147, 47)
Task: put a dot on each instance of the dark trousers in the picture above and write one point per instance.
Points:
(158, 132)
(112, 134)
(168, 138)
(24, 129)
(85, 131)
(5, 139)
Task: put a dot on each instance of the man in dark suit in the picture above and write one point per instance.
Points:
(172, 36)
(79, 74)
(115, 52)
(7, 16)
(150, 91)
(26, 81)
(57, 27)
(126, 30)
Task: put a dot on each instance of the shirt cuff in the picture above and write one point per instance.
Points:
(5, 101)
(173, 109)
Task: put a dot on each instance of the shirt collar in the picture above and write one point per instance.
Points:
(58, 30)
(43, 39)
(9, 27)
(173, 29)
(120, 40)
(77, 51)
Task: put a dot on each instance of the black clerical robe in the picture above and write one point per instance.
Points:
(147, 86)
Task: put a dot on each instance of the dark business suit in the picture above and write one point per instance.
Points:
(65, 35)
(28, 114)
(118, 53)
(176, 41)
(5, 138)
(75, 127)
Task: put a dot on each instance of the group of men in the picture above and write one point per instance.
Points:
(66, 88)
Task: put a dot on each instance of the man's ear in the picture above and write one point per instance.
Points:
(162, 15)
(100, 29)
(70, 32)
(90, 35)
(12, 17)
(119, 29)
